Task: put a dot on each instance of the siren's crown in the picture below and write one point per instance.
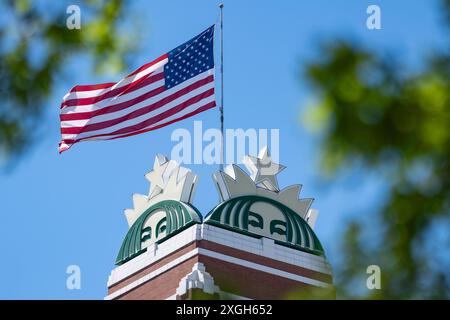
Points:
(234, 182)
(168, 181)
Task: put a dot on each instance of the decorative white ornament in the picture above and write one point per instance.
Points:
(168, 181)
(263, 170)
(234, 182)
(197, 279)
(156, 177)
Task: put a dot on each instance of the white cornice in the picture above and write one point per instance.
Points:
(216, 255)
(263, 247)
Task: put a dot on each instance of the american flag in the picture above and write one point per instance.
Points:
(177, 85)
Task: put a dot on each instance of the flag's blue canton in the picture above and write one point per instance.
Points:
(190, 59)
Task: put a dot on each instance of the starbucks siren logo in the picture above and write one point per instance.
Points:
(252, 204)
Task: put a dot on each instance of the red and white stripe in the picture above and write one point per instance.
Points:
(138, 103)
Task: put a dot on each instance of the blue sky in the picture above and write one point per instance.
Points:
(59, 210)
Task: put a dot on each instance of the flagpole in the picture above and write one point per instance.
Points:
(222, 147)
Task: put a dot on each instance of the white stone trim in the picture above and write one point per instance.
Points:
(152, 274)
(172, 297)
(154, 253)
(219, 256)
(262, 268)
(223, 295)
(264, 247)
(200, 279)
(197, 279)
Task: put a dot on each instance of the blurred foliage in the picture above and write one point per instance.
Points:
(395, 121)
(312, 293)
(35, 43)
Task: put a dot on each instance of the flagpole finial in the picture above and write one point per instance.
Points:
(221, 5)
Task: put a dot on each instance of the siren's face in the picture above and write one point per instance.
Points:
(267, 220)
(154, 228)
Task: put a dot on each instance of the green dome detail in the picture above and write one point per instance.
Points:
(234, 213)
(179, 216)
